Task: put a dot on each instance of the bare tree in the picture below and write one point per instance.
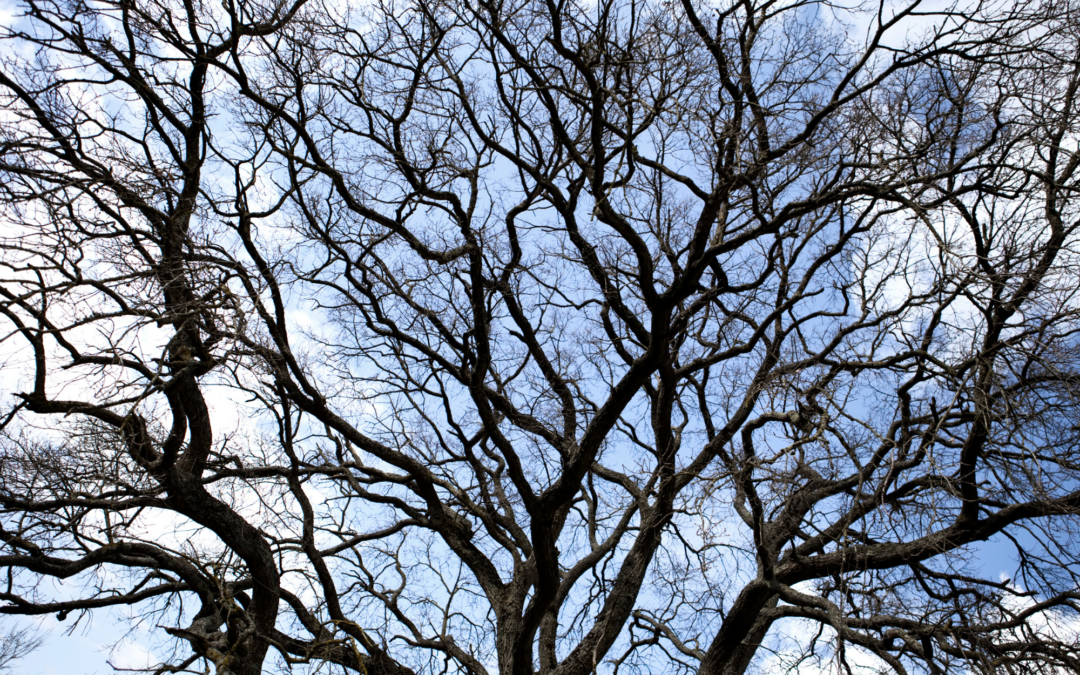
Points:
(565, 338)
(16, 643)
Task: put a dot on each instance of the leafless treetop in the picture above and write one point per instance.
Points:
(545, 337)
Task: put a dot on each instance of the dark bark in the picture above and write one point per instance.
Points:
(564, 338)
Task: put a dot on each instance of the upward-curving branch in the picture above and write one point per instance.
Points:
(545, 337)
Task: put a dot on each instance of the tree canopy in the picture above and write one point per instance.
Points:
(542, 336)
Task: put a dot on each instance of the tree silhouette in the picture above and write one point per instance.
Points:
(545, 337)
